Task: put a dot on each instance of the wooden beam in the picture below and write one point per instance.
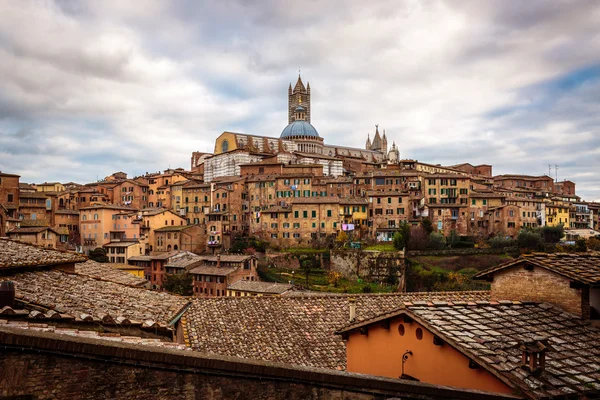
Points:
(438, 341)
(474, 365)
(385, 324)
(364, 331)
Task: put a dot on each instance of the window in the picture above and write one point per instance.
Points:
(314, 214)
(485, 202)
(10, 198)
(473, 202)
(295, 214)
(329, 213)
(305, 214)
(224, 146)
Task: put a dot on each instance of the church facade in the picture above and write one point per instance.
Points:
(298, 143)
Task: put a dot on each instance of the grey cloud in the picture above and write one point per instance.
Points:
(143, 86)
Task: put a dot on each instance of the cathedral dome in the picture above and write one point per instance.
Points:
(299, 128)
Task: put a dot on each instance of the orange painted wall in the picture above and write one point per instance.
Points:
(380, 353)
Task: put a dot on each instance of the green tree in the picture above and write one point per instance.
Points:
(437, 241)
(398, 241)
(499, 242)
(552, 234)
(529, 240)
(427, 225)
(580, 246)
(453, 239)
(98, 255)
(179, 284)
(402, 236)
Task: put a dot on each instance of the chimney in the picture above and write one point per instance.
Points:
(7, 294)
(533, 358)
(352, 309)
(218, 260)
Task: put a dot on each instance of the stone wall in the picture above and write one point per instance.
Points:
(462, 252)
(40, 365)
(540, 285)
(372, 266)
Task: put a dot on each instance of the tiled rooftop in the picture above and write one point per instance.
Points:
(113, 337)
(212, 270)
(293, 330)
(260, 287)
(227, 258)
(581, 267)
(489, 333)
(108, 272)
(78, 294)
(183, 260)
(15, 254)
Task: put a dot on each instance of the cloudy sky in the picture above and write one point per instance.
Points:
(92, 87)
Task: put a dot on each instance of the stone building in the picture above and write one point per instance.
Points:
(298, 143)
(9, 195)
(213, 274)
(570, 281)
(41, 236)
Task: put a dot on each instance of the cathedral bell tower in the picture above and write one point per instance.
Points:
(299, 96)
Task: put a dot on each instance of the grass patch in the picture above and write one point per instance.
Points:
(318, 280)
(308, 250)
(381, 247)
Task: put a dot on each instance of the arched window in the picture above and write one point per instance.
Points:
(175, 247)
(95, 217)
(224, 146)
(169, 248)
(84, 217)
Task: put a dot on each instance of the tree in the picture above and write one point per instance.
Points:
(99, 255)
(333, 277)
(499, 242)
(437, 241)
(427, 225)
(402, 236)
(529, 240)
(342, 237)
(307, 264)
(453, 239)
(179, 284)
(398, 241)
(418, 239)
(552, 234)
(580, 246)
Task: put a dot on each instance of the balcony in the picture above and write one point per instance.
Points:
(213, 243)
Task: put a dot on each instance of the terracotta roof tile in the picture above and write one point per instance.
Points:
(109, 273)
(15, 254)
(295, 330)
(78, 294)
(260, 287)
(113, 337)
(581, 267)
(490, 333)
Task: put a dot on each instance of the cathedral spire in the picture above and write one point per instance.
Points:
(299, 85)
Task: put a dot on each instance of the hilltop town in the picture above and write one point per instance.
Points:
(87, 296)
(289, 191)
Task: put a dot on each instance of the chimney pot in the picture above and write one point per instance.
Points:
(352, 309)
(7, 294)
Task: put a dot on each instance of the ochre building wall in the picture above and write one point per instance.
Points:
(380, 353)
